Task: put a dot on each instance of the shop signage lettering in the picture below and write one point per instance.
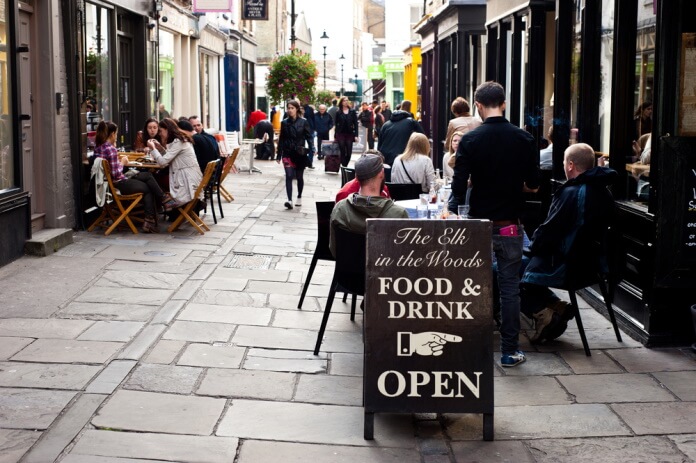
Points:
(256, 10)
(690, 215)
(212, 6)
(428, 318)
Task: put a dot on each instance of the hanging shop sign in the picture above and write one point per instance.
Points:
(212, 6)
(428, 319)
(256, 10)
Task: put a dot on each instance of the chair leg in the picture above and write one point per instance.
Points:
(222, 216)
(212, 207)
(578, 320)
(610, 308)
(345, 297)
(325, 318)
(352, 308)
(307, 280)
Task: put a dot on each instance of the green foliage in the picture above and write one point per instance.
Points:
(292, 76)
(325, 97)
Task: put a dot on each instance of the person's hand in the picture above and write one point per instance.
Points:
(124, 160)
(601, 162)
(431, 342)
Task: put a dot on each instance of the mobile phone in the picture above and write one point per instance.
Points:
(510, 230)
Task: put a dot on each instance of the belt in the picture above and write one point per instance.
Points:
(505, 223)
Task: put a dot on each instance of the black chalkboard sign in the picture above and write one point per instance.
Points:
(256, 10)
(689, 239)
(428, 319)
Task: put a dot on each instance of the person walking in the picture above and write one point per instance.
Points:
(346, 129)
(366, 119)
(309, 116)
(323, 123)
(396, 131)
(502, 162)
(294, 133)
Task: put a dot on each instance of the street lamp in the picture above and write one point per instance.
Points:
(341, 60)
(357, 88)
(324, 39)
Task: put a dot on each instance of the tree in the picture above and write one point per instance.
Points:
(325, 97)
(292, 76)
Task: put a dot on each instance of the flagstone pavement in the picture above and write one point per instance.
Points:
(187, 348)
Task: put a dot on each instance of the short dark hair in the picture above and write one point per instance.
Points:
(460, 107)
(406, 105)
(184, 124)
(490, 94)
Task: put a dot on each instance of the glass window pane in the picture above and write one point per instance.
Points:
(605, 63)
(98, 65)
(166, 73)
(7, 159)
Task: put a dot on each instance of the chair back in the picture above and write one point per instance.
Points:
(587, 258)
(401, 191)
(324, 209)
(207, 178)
(229, 164)
(347, 174)
(350, 261)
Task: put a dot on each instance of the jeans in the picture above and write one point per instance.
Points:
(508, 254)
(345, 145)
(310, 154)
(145, 183)
(533, 298)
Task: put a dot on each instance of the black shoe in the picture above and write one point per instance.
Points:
(320, 157)
(310, 166)
(288, 205)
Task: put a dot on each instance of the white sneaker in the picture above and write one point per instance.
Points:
(298, 201)
(288, 204)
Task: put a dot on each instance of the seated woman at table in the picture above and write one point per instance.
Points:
(141, 182)
(415, 165)
(184, 173)
(448, 158)
(149, 132)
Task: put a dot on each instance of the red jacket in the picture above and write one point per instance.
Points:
(353, 187)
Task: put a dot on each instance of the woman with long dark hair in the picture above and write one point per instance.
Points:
(643, 119)
(346, 129)
(142, 182)
(294, 133)
(150, 132)
(184, 172)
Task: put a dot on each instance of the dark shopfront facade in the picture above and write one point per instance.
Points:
(584, 66)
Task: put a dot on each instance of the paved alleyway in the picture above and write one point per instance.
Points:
(188, 348)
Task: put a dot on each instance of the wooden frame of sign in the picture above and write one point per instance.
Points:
(428, 319)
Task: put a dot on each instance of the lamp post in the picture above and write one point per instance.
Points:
(357, 89)
(324, 38)
(341, 59)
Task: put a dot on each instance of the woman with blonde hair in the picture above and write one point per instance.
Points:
(449, 157)
(415, 165)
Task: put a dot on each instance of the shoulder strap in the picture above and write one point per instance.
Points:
(405, 171)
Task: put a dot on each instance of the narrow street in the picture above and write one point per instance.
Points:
(187, 348)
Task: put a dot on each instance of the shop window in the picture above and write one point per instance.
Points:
(7, 156)
(605, 69)
(575, 102)
(210, 114)
(167, 68)
(99, 103)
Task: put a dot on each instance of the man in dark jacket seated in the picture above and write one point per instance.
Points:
(580, 213)
(263, 130)
(205, 145)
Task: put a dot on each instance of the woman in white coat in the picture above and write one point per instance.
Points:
(184, 171)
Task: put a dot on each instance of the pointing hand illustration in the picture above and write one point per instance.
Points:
(426, 343)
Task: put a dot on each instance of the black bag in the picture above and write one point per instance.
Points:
(299, 157)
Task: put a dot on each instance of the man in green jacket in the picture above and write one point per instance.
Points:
(351, 213)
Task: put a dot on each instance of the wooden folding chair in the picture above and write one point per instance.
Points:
(187, 212)
(229, 166)
(114, 212)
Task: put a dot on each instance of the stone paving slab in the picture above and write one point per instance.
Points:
(644, 360)
(528, 390)
(226, 284)
(598, 362)
(497, 451)
(10, 346)
(346, 364)
(137, 348)
(659, 418)
(306, 423)
(278, 301)
(155, 252)
(14, 443)
(102, 311)
(606, 450)
(303, 319)
(165, 351)
(95, 459)
(230, 298)
(111, 377)
(113, 295)
(291, 289)
(43, 328)
(199, 331)
(284, 364)
(225, 314)
(610, 388)
(133, 279)
(163, 378)
(155, 267)
(686, 443)
(540, 422)
(329, 389)
(31, 408)
(46, 376)
(285, 338)
(252, 274)
(68, 351)
(155, 412)
(212, 356)
(266, 385)
(681, 383)
(149, 446)
(111, 331)
(538, 364)
(255, 451)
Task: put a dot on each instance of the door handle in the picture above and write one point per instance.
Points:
(24, 117)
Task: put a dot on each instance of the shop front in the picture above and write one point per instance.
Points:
(211, 52)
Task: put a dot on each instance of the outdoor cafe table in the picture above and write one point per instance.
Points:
(411, 204)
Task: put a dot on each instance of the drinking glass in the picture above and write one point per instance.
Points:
(422, 211)
(463, 211)
(424, 199)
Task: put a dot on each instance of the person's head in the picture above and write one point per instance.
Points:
(169, 131)
(577, 159)
(334, 102)
(344, 102)
(150, 129)
(364, 105)
(460, 107)
(417, 144)
(374, 104)
(293, 108)
(549, 134)
(161, 107)
(644, 110)
(185, 126)
(196, 123)
(369, 170)
(377, 109)
(489, 96)
(322, 108)
(406, 106)
(106, 132)
(454, 141)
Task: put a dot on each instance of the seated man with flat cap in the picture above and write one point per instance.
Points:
(351, 213)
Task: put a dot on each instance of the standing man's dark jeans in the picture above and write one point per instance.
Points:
(345, 145)
(508, 254)
(321, 137)
(145, 183)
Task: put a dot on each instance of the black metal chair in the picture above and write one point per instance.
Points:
(347, 174)
(349, 273)
(401, 191)
(321, 251)
(214, 186)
